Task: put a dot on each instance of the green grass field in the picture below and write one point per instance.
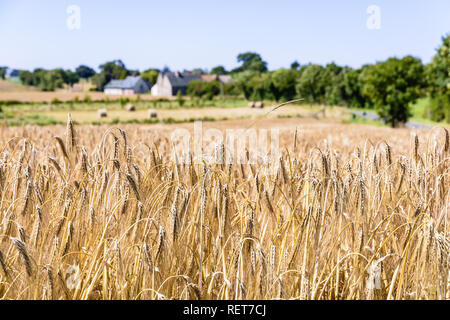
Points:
(172, 112)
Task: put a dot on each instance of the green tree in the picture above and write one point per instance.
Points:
(284, 81)
(334, 79)
(262, 87)
(2, 72)
(84, 72)
(110, 70)
(311, 85)
(394, 84)
(231, 89)
(196, 88)
(353, 84)
(150, 75)
(212, 89)
(70, 77)
(295, 65)
(100, 80)
(265, 88)
(251, 61)
(242, 81)
(438, 74)
(180, 99)
(26, 77)
(256, 86)
(219, 70)
(49, 80)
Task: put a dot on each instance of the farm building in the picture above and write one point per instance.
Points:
(128, 86)
(169, 83)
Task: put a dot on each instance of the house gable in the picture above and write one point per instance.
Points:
(130, 85)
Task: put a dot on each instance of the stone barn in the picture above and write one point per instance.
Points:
(168, 84)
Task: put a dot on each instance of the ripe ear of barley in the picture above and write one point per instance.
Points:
(273, 257)
(37, 225)
(125, 200)
(269, 204)
(84, 161)
(134, 186)
(147, 256)
(446, 140)
(388, 154)
(69, 238)
(21, 232)
(21, 247)
(38, 193)
(263, 273)
(63, 285)
(70, 134)
(27, 198)
(92, 217)
(138, 174)
(161, 243)
(125, 143)
(253, 261)
(139, 215)
(416, 147)
(62, 147)
(174, 212)
(51, 283)
(225, 210)
(3, 265)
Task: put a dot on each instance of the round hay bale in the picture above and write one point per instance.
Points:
(251, 104)
(259, 105)
(131, 108)
(152, 114)
(102, 113)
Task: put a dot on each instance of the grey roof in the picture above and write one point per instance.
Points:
(114, 84)
(128, 83)
(182, 80)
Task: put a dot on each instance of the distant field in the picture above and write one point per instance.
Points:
(167, 113)
(190, 113)
(36, 107)
(8, 87)
(10, 91)
(39, 96)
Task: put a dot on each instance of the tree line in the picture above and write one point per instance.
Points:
(388, 86)
(49, 80)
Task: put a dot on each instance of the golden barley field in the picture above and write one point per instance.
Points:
(351, 212)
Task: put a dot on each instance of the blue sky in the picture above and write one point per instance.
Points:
(204, 33)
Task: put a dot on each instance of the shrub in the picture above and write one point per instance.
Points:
(87, 99)
(123, 101)
(55, 101)
(180, 99)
